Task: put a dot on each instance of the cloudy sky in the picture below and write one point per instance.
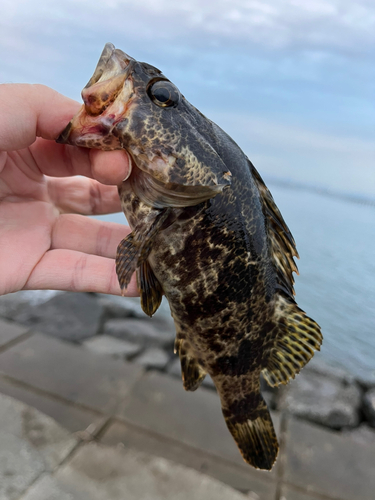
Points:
(292, 81)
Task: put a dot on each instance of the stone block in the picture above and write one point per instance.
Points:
(327, 401)
(328, 463)
(153, 358)
(69, 316)
(369, 406)
(96, 473)
(69, 416)
(30, 444)
(145, 332)
(105, 344)
(13, 303)
(70, 372)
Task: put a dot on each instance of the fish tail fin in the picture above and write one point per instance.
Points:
(297, 337)
(253, 432)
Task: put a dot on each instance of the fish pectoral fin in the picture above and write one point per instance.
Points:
(297, 337)
(150, 289)
(136, 247)
(192, 373)
(255, 436)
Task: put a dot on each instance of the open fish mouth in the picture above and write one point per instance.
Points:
(106, 98)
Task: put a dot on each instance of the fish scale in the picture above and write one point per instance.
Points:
(208, 235)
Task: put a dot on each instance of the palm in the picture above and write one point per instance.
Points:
(45, 239)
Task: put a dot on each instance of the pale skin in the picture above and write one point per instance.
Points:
(46, 240)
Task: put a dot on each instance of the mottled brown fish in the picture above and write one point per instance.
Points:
(207, 234)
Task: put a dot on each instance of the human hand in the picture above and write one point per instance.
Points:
(44, 242)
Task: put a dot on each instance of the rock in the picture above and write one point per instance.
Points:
(13, 303)
(369, 406)
(121, 307)
(326, 401)
(317, 365)
(146, 332)
(175, 368)
(105, 344)
(70, 316)
(153, 358)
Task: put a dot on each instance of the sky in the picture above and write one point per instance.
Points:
(292, 81)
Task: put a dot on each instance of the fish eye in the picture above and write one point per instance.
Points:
(164, 94)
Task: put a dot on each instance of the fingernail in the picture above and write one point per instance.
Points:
(130, 167)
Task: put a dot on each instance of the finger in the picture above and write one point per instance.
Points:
(61, 160)
(89, 236)
(77, 272)
(83, 196)
(30, 111)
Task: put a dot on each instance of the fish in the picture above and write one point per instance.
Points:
(207, 234)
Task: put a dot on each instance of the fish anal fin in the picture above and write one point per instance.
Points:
(150, 290)
(255, 437)
(192, 373)
(297, 337)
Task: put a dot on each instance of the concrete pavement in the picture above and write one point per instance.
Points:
(118, 414)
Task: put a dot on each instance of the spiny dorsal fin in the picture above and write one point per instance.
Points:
(296, 338)
(281, 241)
(192, 374)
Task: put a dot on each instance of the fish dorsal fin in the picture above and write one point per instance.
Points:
(281, 242)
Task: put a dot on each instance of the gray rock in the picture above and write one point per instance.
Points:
(326, 401)
(153, 358)
(146, 332)
(121, 307)
(30, 444)
(318, 365)
(13, 303)
(69, 316)
(174, 368)
(105, 344)
(98, 472)
(369, 406)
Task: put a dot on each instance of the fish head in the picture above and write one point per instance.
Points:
(131, 105)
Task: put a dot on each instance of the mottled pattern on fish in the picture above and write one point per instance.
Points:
(207, 234)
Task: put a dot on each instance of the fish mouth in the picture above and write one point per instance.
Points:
(106, 98)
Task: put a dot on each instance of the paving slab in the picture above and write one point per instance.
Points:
(69, 416)
(329, 463)
(96, 473)
(105, 344)
(9, 332)
(71, 372)
(257, 483)
(289, 493)
(30, 444)
(160, 404)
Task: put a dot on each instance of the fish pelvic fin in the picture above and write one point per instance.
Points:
(254, 434)
(150, 289)
(192, 373)
(297, 337)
